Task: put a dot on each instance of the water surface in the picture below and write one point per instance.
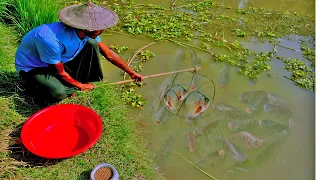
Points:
(292, 159)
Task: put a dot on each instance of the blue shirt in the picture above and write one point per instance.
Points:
(48, 44)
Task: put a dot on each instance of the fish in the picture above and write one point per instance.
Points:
(165, 150)
(254, 99)
(161, 115)
(194, 84)
(224, 76)
(273, 126)
(243, 125)
(250, 140)
(180, 91)
(215, 157)
(237, 154)
(165, 84)
(229, 111)
(277, 100)
(196, 103)
(191, 142)
(170, 99)
(180, 59)
(206, 128)
(278, 111)
(194, 58)
(271, 149)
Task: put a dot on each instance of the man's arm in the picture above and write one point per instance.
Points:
(66, 77)
(115, 59)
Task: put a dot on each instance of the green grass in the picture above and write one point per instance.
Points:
(24, 15)
(119, 143)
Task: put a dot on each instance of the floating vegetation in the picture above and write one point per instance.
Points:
(119, 49)
(131, 97)
(309, 54)
(146, 55)
(302, 74)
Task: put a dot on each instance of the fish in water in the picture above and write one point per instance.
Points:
(237, 154)
(250, 140)
(273, 126)
(278, 111)
(208, 127)
(195, 62)
(170, 99)
(180, 91)
(224, 76)
(196, 103)
(229, 111)
(243, 125)
(191, 142)
(160, 116)
(165, 150)
(180, 60)
(194, 84)
(215, 157)
(194, 58)
(165, 84)
(277, 100)
(254, 99)
(271, 149)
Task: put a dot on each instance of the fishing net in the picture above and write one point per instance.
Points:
(189, 95)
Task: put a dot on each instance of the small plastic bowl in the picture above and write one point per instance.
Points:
(115, 174)
(61, 131)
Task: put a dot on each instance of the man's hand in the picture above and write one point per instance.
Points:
(86, 87)
(115, 59)
(136, 77)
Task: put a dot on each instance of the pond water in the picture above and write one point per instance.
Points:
(281, 152)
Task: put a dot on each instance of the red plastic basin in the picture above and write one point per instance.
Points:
(61, 131)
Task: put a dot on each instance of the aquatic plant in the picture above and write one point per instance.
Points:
(119, 49)
(131, 97)
(309, 54)
(302, 75)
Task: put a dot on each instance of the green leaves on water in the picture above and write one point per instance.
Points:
(251, 68)
(309, 54)
(301, 74)
(131, 97)
(119, 49)
(146, 55)
(240, 32)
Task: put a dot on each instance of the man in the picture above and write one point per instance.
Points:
(60, 58)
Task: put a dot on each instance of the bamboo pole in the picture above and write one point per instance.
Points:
(134, 55)
(137, 52)
(153, 75)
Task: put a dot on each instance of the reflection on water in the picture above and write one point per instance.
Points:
(253, 130)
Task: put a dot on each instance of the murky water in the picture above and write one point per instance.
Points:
(281, 156)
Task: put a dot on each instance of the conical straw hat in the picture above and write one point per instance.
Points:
(88, 17)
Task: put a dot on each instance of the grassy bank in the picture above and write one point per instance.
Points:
(119, 144)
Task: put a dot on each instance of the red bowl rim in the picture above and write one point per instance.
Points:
(89, 145)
